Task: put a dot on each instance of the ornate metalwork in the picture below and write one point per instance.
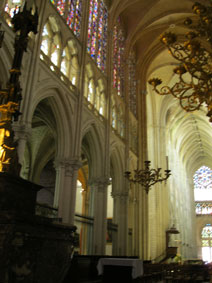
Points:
(147, 177)
(194, 85)
(23, 22)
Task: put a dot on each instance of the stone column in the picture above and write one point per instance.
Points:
(2, 5)
(65, 190)
(121, 218)
(100, 215)
(136, 222)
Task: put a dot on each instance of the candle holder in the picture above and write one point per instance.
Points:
(147, 177)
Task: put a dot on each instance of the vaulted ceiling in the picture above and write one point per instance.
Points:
(144, 21)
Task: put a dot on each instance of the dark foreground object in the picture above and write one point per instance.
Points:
(33, 249)
(83, 269)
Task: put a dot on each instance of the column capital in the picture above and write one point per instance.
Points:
(22, 130)
(120, 195)
(98, 181)
(70, 165)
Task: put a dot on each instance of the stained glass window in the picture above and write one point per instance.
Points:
(74, 69)
(203, 184)
(55, 54)
(114, 116)
(118, 57)
(132, 83)
(45, 40)
(97, 32)
(72, 10)
(203, 207)
(61, 6)
(205, 243)
(74, 16)
(102, 104)
(206, 236)
(91, 91)
(64, 63)
(12, 7)
(120, 121)
(51, 42)
(69, 63)
(97, 98)
(207, 231)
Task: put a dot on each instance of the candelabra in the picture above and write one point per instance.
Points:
(194, 73)
(23, 22)
(147, 177)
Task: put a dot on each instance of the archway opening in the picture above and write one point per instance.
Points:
(206, 236)
(203, 202)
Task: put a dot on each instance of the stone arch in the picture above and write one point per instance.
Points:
(91, 143)
(200, 224)
(117, 169)
(50, 139)
(63, 112)
(42, 145)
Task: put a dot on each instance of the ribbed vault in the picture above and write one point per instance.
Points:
(190, 133)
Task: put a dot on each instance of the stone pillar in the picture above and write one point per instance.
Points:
(65, 190)
(2, 5)
(121, 218)
(100, 215)
(136, 222)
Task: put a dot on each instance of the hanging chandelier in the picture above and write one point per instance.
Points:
(147, 177)
(193, 86)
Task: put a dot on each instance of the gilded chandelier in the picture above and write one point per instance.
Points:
(147, 177)
(194, 53)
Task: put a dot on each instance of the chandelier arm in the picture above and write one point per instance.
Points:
(188, 107)
(182, 93)
(175, 90)
(177, 51)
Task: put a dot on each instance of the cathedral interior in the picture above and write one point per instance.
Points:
(90, 112)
